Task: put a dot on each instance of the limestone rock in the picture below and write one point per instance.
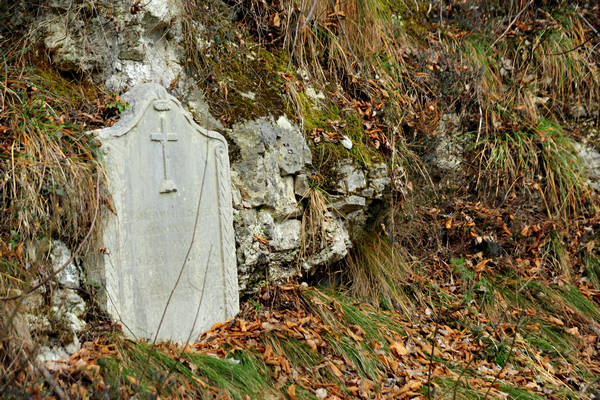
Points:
(336, 244)
(128, 48)
(55, 254)
(59, 255)
(265, 245)
(447, 155)
(379, 179)
(195, 103)
(351, 177)
(54, 353)
(269, 154)
(590, 159)
(301, 186)
(348, 204)
(63, 39)
(69, 307)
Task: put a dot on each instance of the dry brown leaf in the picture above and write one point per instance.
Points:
(555, 321)
(291, 391)
(336, 371)
(398, 349)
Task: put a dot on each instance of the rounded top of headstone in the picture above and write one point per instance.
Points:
(138, 99)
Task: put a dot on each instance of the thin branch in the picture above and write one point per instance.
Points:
(512, 23)
(573, 49)
(75, 253)
(189, 250)
(431, 361)
(309, 16)
(178, 362)
(590, 25)
(295, 38)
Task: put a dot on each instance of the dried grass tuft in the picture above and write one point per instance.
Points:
(47, 185)
(380, 274)
(314, 220)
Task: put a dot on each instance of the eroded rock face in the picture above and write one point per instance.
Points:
(270, 155)
(121, 45)
(590, 159)
(271, 163)
(448, 153)
(59, 313)
(267, 224)
(271, 178)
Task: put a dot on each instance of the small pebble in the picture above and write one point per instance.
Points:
(321, 393)
(346, 142)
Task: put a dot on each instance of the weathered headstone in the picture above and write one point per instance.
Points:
(168, 244)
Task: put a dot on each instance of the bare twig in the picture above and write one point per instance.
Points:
(573, 49)
(187, 254)
(309, 16)
(431, 361)
(295, 38)
(512, 23)
(75, 253)
(590, 25)
(512, 346)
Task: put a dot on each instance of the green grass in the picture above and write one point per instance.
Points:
(299, 354)
(374, 324)
(574, 298)
(244, 373)
(592, 270)
(550, 340)
(515, 393)
(543, 154)
(361, 355)
(146, 370)
(447, 387)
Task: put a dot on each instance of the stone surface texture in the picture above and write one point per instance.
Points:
(271, 163)
(590, 159)
(129, 48)
(447, 156)
(61, 318)
(169, 267)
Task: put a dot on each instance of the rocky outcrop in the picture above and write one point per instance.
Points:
(56, 314)
(590, 160)
(271, 188)
(115, 42)
(270, 160)
(447, 155)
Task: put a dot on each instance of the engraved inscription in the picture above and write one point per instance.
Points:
(164, 137)
(170, 267)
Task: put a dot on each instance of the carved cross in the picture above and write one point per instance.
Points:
(164, 137)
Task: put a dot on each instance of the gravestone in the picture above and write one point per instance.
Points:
(168, 251)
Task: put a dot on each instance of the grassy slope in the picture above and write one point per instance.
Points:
(492, 284)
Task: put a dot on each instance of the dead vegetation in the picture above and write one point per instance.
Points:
(485, 288)
(48, 186)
